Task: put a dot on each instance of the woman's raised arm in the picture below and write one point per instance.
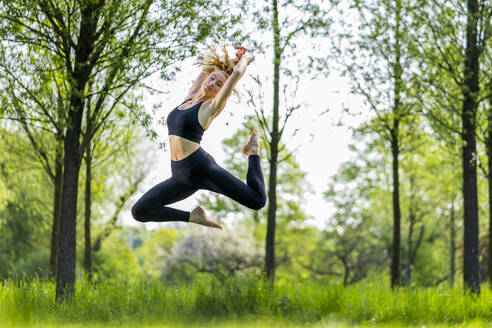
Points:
(199, 80)
(217, 104)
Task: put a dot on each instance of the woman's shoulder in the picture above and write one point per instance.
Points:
(186, 99)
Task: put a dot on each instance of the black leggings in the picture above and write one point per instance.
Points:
(199, 171)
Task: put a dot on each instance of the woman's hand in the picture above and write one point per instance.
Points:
(241, 61)
(240, 51)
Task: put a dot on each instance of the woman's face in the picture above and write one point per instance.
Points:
(214, 82)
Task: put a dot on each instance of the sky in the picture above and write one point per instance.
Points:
(321, 145)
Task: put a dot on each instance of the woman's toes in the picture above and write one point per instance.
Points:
(198, 216)
(252, 147)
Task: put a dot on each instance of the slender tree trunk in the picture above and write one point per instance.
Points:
(412, 219)
(416, 246)
(395, 256)
(55, 231)
(408, 269)
(346, 272)
(471, 89)
(489, 178)
(452, 246)
(272, 182)
(395, 150)
(88, 193)
(87, 223)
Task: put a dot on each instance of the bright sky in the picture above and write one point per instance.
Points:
(323, 141)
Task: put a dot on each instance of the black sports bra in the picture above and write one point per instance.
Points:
(184, 122)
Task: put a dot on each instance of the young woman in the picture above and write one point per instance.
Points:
(192, 167)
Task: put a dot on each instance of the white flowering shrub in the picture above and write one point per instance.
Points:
(219, 252)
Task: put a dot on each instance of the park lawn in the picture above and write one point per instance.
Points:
(273, 323)
(239, 302)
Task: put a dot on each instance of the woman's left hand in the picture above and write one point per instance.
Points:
(240, 51)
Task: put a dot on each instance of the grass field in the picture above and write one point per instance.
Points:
(238, 302)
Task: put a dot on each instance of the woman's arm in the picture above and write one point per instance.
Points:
(217, 104)
(199, 80)
(208, 70)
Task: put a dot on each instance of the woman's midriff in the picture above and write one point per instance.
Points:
(181, 147)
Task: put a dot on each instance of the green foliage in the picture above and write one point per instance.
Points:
(25, 205)
(35, 264)
(154, 250)
(294, 247)
(27, 197)
(296, 22)
(358, 233)
(361, 225)
(115, 259)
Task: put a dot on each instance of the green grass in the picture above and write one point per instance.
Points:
(238, 302)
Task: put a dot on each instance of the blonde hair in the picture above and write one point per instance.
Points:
(213, 60)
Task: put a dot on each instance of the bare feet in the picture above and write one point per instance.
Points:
(253, 146)
(198, 216)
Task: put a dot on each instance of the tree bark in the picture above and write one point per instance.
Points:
(66, 246)
(468, 116)
(489, 179)
(57, 187)
(346, 272)
(272, 182)
(395, 255)
(408, 269)
(395, 151)
(87, 223)
(452, 246)
(88, 193)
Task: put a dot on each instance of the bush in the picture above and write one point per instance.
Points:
(36, 264)
(207, 250)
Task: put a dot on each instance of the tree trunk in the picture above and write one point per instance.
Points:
(67, 241)
(346, 272)
(452, 246)
(88, 192)
(471, 89)
(78, 78)
(489, 179)
(55, 231)
(412, 219)
(272, 182)
(395, 255)
(87, 223)
(408, 269)
(395, 150)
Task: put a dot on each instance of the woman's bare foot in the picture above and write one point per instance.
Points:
(253, 146)
(198, 216)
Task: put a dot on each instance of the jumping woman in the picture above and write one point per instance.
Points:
(192, 167)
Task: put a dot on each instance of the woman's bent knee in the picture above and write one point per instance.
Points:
(259, 203)
(138, 213)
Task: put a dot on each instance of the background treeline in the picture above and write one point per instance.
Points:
(411, 206)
